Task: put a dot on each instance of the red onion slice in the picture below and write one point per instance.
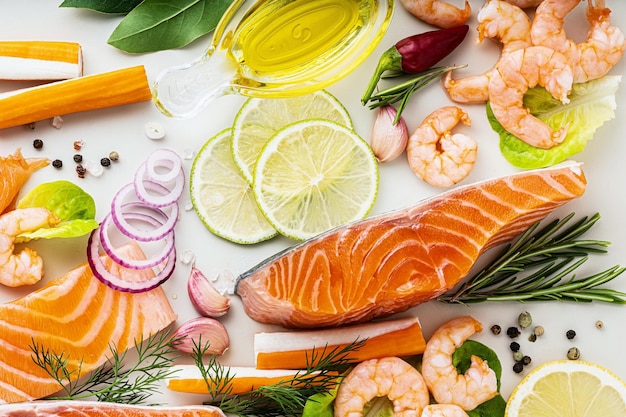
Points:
(132, 232)
(161, 200)
(107, 246)
(105, 276)
(164, 158)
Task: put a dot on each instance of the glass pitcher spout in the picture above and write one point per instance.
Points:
(183, 91)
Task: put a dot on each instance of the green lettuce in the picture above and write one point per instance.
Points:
(71, 204)
(591, 105)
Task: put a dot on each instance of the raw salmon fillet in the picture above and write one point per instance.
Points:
(388, 263)
(77, 316)
(101, 409)
(14, 171)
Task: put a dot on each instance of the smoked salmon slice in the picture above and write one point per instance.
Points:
(101, 409)
(388, 263)
(77, 316)
(14, 171)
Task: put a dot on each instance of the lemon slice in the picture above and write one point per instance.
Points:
(260, 118)
(315, 175)
(568, 389)
(222, 198)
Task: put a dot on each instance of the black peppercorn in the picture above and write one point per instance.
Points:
(38, 144)
(514, 346)
(513, 332)
(495, 329)
(526, 360)
(81, 171)
(105, 162)
(57, 163)
(570, 334)
(518, 367)
(78, 158)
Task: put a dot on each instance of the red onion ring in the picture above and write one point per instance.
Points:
(163, 158)
(131, 231)
(105, 276)
(151, 262)
(162, 200)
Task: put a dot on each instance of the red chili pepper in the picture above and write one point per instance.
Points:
(417, 53)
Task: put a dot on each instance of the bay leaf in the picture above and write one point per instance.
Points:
(156, 25)
(103, 6)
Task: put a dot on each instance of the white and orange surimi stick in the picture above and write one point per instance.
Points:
(297, 349)
(40, 60)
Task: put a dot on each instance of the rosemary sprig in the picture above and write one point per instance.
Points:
(113, 381)
(402, 92)
(547, 257)
(285, 398)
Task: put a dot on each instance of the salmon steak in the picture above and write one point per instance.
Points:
(14, 171)
(71, 408)
(391, 262)
(78, 317)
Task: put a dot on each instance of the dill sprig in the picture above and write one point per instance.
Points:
(402, 92)
(547, 256)
(286, 398)
(113, 381)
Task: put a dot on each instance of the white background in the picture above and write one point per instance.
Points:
(121, 129)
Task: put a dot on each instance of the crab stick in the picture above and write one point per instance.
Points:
(40, 60)
(114, 88)
(188, 379)
(295, 349)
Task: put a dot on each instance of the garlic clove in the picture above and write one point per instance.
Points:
(207, 300)
(199, 333)
(388, 140)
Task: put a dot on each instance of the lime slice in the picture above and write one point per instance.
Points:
(315, 175)
(222, 198)
(259, 119)
(568, 388)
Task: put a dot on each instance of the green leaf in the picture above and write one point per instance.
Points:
(320, 404)
(591, 105)
(71, 204)
(103, 6)
(493, 408)
(156, 25)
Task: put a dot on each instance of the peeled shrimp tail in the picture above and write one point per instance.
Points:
(438, 12)
(25, 267)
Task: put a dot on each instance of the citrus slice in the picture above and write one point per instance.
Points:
(315, 175)
(222, 198)
(259, 119)
(567, 388)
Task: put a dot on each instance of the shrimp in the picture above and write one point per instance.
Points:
(469, 390)
(513, 75)
(438, 12)
(391, 377)
(435, 155)
(594, 58)
(26, 267)
(524, 4)
(443, 410)
(498, 20)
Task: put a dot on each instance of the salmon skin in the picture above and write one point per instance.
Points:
(78, 317)
(391, 262)
(14, 171)
(69, 408)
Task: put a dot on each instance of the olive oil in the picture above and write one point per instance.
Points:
(276, 48)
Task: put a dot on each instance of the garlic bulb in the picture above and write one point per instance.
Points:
(200, 333)
(388, 140)
(206, 299)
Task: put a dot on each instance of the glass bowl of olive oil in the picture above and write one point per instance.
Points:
(275, 48)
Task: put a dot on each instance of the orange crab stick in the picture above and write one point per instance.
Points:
(188, 379)
(40, 60)
(124, 86)
(295, 349)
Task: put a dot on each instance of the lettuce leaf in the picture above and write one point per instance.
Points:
(591, 105)
(71, 204)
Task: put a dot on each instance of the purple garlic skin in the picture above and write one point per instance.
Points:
(200, 333)
(207, 300)
(388, 140)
